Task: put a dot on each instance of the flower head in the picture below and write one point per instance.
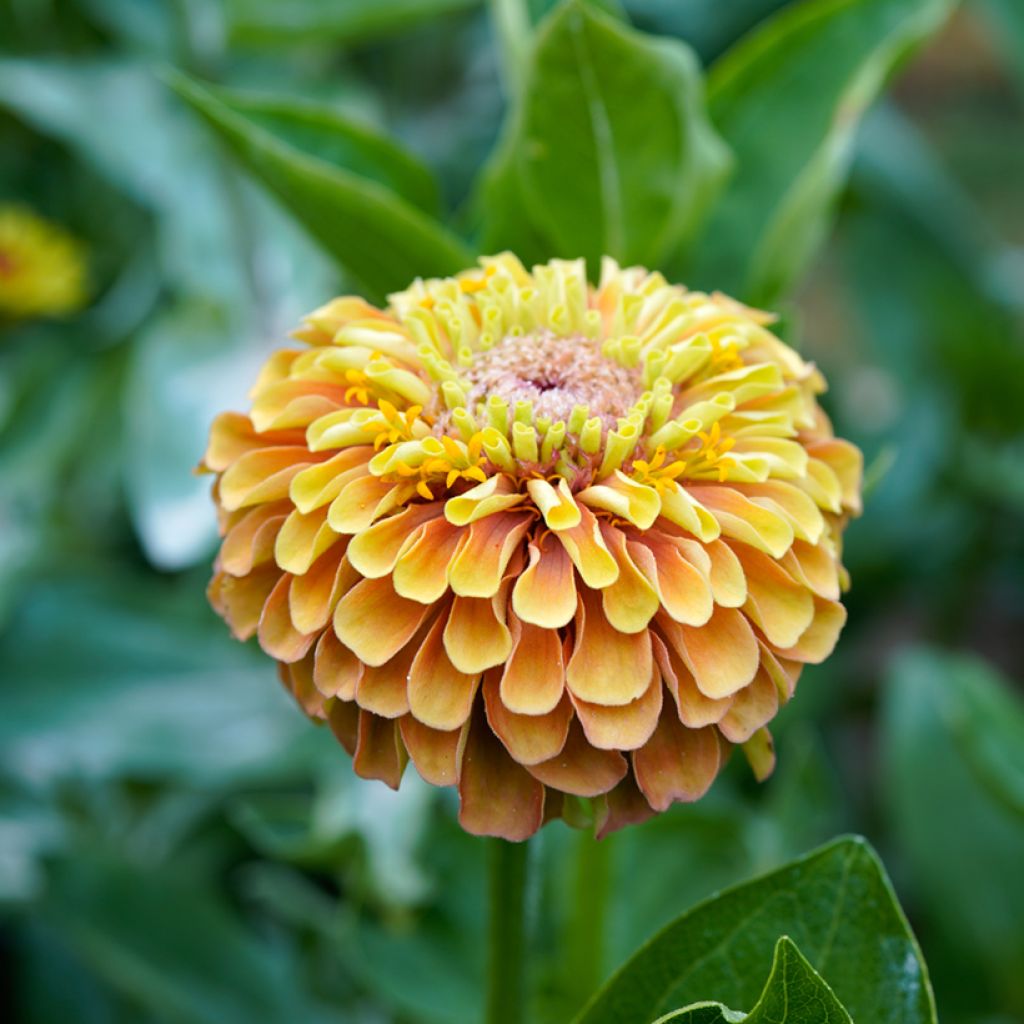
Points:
(42, 272)
(546, 540)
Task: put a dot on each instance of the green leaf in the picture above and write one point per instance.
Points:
(1007, 18)
(836, 903)
(325, 134)
(788, 99)
(952, 737)
(349, 21)
(793, 994)
(374, 234)
(611, 151)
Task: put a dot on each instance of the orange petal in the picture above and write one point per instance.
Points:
(695, 710)
(380, 753)
(240, 599)
(362, 501)
(676, 763)
(790, 501)
(624, 805)
(479, 564)
(497, 797)
(743, 519)
(545, 592)
(728, 583)
(336, 670)
(384, 689)
(581, 769)
(626, 727)
(277, 636)
(722, 655)
(847, 463)
(421, 571)
(439, 694)
(759, 751)
(607, 667)
(754, 706)
(375, 550)
(534, 676)
(302, 540)
(375, 622)
(814, 567)
(298, 678)
(343, 719)
(779, 606)
(476, 637)
(233, 435)
(436, 754)
(818, 641)
(588, 551)
(262, 475)
(321, 483)
(251, 540)
(530, 739)
(684, 590)
(313, 596)
(631, 601)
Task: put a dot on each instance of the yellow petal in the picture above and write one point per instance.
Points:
(623, 497)
(494, 495)
(588, 551)
(476, 637)
(421, 570)
(557, 506)
(375, 622)
(631, 601)
(779, 606)
(313, 596)
(302, 539)
(484, 553)
(742, 519)
(375, 550)
(545, 592)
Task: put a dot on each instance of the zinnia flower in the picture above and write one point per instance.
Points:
(546, 540)
(42, 272)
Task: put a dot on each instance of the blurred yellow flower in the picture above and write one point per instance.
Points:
(546, 540)
(42, 269)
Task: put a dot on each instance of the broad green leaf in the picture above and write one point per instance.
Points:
(793, 994)
(374, 234)
(788, 99)
(610, 146)
(836, 904)
(326, 134)
(952, 737)
(348, 21)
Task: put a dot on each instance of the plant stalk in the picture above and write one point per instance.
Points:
(506, 968)
(585, 952)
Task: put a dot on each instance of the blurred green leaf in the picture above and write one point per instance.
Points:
(836, 903)
(597, 178)
(326, 134)
(350, 21)
(373, 233)
(1007, 19)
(952, 741)
(793, 994)
(788, 99)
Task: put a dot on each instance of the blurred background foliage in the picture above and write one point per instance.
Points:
(176, 843)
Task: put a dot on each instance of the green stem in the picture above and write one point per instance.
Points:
(585, 955)
(506, 969)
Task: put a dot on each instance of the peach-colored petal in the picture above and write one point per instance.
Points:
(439, 694)
(251, 540)
(530, 739)
(676, 763)
(815, 567)
(488, 770)
(298, 678)
(626, 727)
(581, 769)
(233, 435)
(684, 590)
(728, 584)
(277, 636)
(262, 475)
(534, 677)
(384, 689)
(484, 553)
(379, 753)
(721, 655)
(607, 667)
(336, 670)
(818, 641)
(545, 592)
(375, 550)
(759, 751)
(779, 606)
(302, 539)
(624, 805)
(588, 551)
(476, 637)
(754, 706)
(375, 622)
(743, 519)
(436, 754)
(313, 596)
(786, 499)
(421, 570)
(695, 710)
(847, 463)
(631, 601)
(290, 404)
(240, 599)
(321, 483)
(362, 501)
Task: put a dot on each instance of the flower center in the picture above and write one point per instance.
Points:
(555, 375)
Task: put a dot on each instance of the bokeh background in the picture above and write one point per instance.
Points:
(177, 844)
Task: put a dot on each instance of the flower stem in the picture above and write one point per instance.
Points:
(585, 953)
(506, 969)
